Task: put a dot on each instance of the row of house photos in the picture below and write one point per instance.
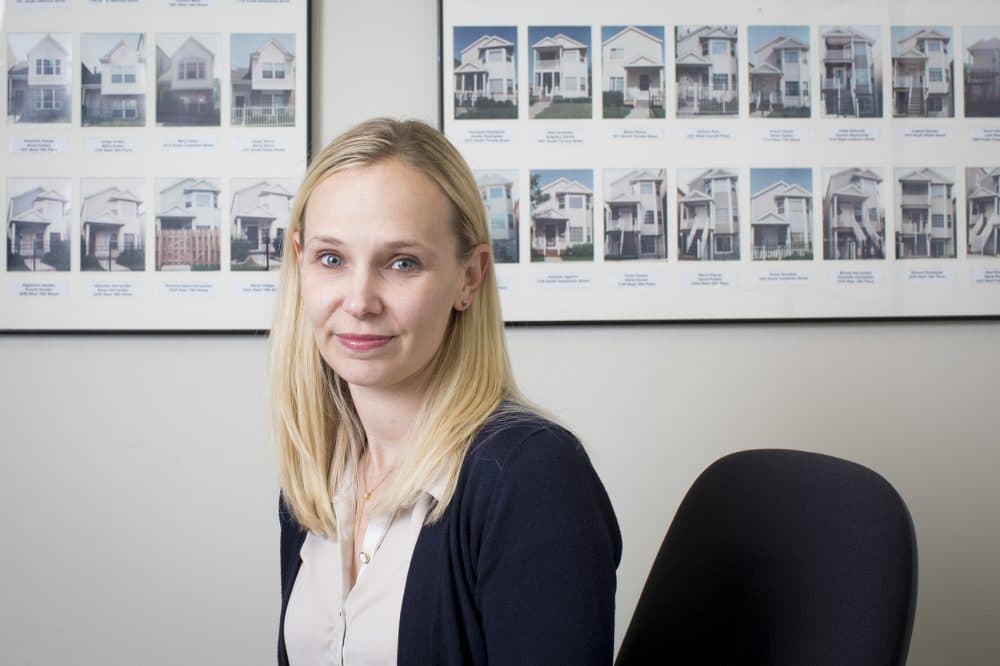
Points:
(854, 224)
(186, 231)
(706, 69)
(116, 78)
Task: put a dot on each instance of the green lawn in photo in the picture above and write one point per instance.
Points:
(567, 110)
(790, 112)
(489, 113)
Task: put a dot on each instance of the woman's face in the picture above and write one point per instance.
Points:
(380, 273)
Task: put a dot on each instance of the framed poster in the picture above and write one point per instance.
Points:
(640, 161)
(153, 150)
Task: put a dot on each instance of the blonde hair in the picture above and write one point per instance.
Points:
(316, 429)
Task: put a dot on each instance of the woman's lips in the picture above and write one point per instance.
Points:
(356, 342)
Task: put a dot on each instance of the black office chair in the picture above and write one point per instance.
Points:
(781, 558)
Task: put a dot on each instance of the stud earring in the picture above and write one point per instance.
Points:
(465, 303)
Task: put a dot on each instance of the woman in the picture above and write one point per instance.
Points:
(428, 516)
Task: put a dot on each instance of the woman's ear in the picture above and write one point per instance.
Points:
(476, 265)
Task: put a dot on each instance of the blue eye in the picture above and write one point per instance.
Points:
(405, 264)
(330, 260)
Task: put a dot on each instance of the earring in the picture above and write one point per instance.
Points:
(465, 303)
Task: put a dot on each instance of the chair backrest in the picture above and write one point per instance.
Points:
(780, 557)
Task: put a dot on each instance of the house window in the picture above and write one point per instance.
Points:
(935, 75)
(781, 206)
(618, 83)
(54, 237)
(497, 192)
(933, 46)
(791, 56)
(48, 66)
(122, 74)
(191, 69)
(496, 86)
(575, 234)
(46, 99)
(498, 223)
(935, 104)
(792, 88)
(575, 202)
(494, 55)
(204, 199)
(719, 47)
(583, 56)
(720, 82)
(649, 244)
(724, 244)
(272, 70)
(617, 54)
(873, 214)
(859, 213)
(805, 88)
(650, 217)
(645, 188)
(129, 241)
(938, 191)
(937, 221)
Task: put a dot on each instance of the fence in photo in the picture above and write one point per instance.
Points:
(197, 249)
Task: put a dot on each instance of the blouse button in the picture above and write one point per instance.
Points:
(364, 557)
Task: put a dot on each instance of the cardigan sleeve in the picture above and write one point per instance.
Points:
(546, 566)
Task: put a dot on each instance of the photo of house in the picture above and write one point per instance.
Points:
(781, 214)
(925, 213)
(560, 72)
(112, 222)
(853, 214)
(632, 74)
(38, 224)
(707, 67)
(982, 71)
(485, 65)
(263, 80)
(187, 224)
(779, 71)
(113, 79)
(982, 196)
(708, 226)
(635, 214)
(187, 79)
(923, 72)
(502, 203)
(259, 216)
(851, 72)
(562, 215)
(38, 77)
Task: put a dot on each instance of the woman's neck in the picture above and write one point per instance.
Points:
(387, 417)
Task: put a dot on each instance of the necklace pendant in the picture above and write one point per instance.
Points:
(368, 496)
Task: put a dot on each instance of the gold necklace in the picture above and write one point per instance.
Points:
(364, 482)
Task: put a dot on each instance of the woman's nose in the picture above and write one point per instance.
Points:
(362, 298)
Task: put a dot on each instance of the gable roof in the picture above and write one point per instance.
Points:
(567, 185)
(765, 68)
(926, 174)
(693, 59)
(770, 218)
(488, 41)
(140, 57)
(275, 44)
(913, 54)
(695, 196)
(985, 44)
(559, 40)
(30, 215)
(863, 173)
(983, 192)
(493, 179)
(926, 34)
(256, 211)
(847, 32)
(468, 68)
(643, 61)
(176, 211)
(631, 28)
(548, 212)
(196, 43)
(50, 39)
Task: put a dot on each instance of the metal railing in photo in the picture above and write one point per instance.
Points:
(263, 116)
(778, 252)
(33, 254)
(111, 257)
(261, 252)
(840, 248)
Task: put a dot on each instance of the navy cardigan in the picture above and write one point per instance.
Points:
(521, 567)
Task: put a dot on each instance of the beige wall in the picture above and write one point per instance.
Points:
(137, 493)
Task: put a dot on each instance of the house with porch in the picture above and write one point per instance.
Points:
(982, 73)
(853, 215)
(851, 79)
(186, 90)
(187, 224)
(925, 223)
(563, 221)
(779, 77)
(781, 222)
(111, 223)
(922, 69)
(38, 86)
(983, 201)
(37, 229)
(560, 67)
(635, 214)
(260, 221)
(499, 200)
(264, 90)
(709, 219)
(707, 69)
(487, 68)
(114, 88)
(632, 64)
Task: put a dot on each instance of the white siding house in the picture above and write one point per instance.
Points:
(561, 68)
(186, 88)
(983, 200)
(38, 89)
(922, 76)
(497, 193)
(709, 225)
(114, 93)
(632, 63)
(264, 91)
(189, 203)
(564, 220)
(487, 68)
(634, 215)
(781, 222)
(854, 215)
(36, 224)
(850, 82)
(110, 222)
(707, 70)
(779, 76)
(260, 220)
(982, 78)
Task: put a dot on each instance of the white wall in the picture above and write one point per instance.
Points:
(137, 493)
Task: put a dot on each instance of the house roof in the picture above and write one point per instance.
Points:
(488, 41)
(176, 211)
(493, 179)
(693, 59)
(196, 43)
(714, 173)
(926, 34)
(117, 194)
(241, 73)
(985, 44)
(929, 175)
(105, 217)
(715, 32)
(790, 43)
(783, 189)
(31, 215)
(558, 40)
(694, 196)
(622, 198)
(634, 29)
(864, 173)
(256, 211)
(51, 195)
(50, 39)
(192, 184)
(89, 78)
(548, 213)
(468, 68)
(566, 185)
(912, 54)
(851, 191)
(847, 32)
(764, 69)
(122, 45)
(982, 192)
(278, 46)
(18, 70)
(643, 61)
(771, 218)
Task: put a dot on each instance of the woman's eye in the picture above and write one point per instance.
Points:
(404, 264)
(330, 260)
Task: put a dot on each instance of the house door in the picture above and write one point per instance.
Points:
(644, 87)
(252, 237)
(550, 236)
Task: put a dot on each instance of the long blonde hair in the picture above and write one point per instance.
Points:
(316, 429)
